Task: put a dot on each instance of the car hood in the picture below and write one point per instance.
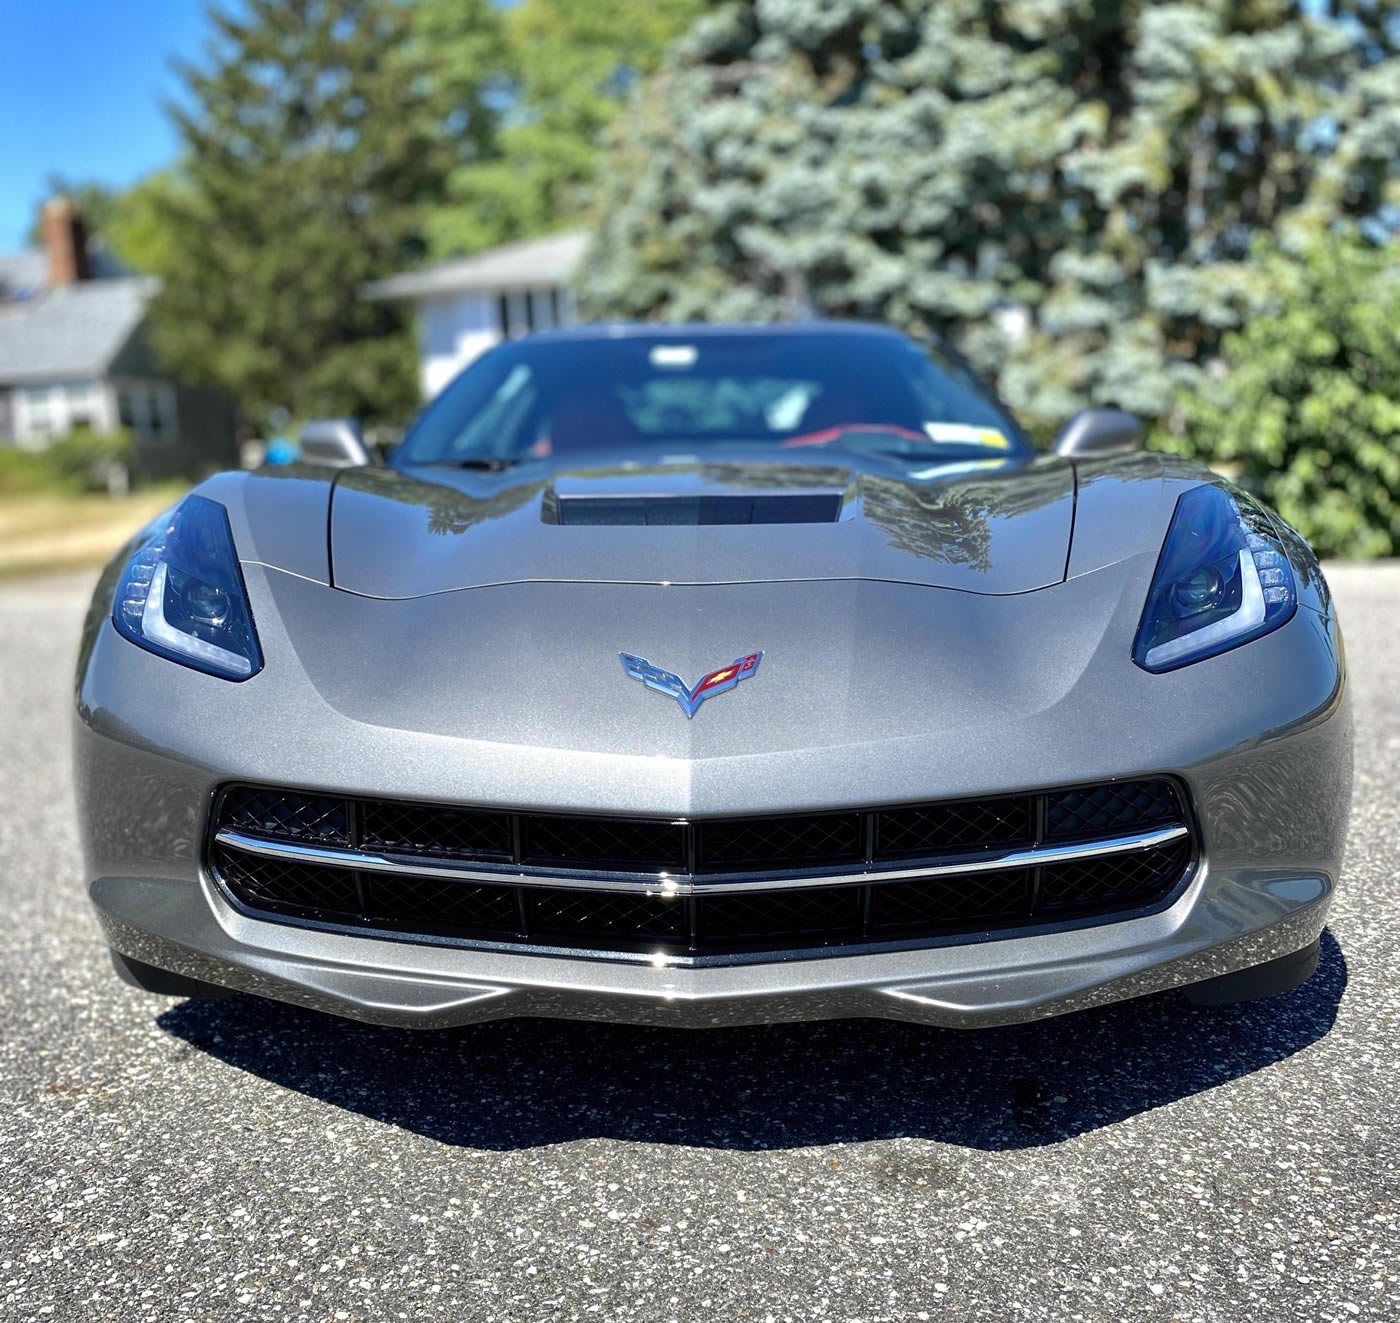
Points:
(995, 527)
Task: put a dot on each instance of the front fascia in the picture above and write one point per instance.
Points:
(1268, 771)
(492, 718)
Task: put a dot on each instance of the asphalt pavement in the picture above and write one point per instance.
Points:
(175, 1160)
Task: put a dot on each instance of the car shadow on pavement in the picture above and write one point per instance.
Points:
(523, 1083)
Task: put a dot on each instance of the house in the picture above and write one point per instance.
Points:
(466, 305)
(73, 351)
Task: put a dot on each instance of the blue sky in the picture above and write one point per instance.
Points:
(81, 87)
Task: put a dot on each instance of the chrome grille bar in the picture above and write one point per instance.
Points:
(719, 884)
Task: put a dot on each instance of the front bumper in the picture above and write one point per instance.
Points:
(1218, 926)
(1260, 738)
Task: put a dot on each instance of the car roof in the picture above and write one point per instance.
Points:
(594, 331)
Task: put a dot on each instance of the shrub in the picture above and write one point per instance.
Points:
(1307, 410)
(84, 457)
(23, 471)
(80, 461)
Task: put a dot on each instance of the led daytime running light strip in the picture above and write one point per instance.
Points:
(1249, 615)
(156, 628)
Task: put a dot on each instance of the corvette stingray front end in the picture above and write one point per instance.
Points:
(697, 676)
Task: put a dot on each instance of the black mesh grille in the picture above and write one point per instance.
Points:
(1123, 805)
(833, 913)
(427, 829)
(607, 843)
(780, 843)
(288, 888)
(571, 913)
(1110, 880)
(286, 814)
(859, 842)
(967, 899)
(411, 901)
(976, 824)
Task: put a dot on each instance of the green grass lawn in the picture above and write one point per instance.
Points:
(48, 532)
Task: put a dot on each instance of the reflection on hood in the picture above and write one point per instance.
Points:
(998, 527)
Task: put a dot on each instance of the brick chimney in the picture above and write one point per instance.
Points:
(65, 242)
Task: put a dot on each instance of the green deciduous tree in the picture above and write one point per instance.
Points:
(1090, 174)
(1307, 407)
(317, 133)
(138, 231)
(556, 72)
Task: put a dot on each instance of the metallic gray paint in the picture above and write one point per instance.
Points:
(1220, 925)
(337, 442)
(510, 694)
(1099, 432)
(1004, 529)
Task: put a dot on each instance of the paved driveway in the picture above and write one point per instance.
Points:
(241, 1160)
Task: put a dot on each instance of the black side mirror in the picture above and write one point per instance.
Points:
(336, 442)
(1099, 432)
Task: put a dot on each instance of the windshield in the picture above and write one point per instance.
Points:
(657, 396)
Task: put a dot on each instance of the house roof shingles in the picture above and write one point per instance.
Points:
(70, 333)
(22, 275)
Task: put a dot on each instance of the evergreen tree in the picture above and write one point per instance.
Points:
(1068, 189)
(316, 135)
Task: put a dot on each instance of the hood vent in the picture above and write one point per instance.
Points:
(804, 507)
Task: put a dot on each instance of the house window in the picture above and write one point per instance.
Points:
(148, 410)
(42, 405)
(131, 407)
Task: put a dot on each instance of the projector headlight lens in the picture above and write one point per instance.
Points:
(182, 595)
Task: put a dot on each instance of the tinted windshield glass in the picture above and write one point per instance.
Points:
(664, 394)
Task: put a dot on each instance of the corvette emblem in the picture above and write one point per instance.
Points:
(717, 682)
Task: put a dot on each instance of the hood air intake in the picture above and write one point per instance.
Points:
(807, 507)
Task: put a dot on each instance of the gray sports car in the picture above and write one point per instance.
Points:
(691, 675)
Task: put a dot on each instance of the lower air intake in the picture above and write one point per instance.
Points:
(710, 887)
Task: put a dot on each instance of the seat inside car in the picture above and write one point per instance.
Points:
(590, 418)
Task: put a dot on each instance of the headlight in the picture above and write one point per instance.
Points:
(1222, 579)
(182, 594)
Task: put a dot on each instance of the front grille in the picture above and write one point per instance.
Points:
(429, 829)
(909, 906)
(685, 887)
(1095, 810)
(277, 814)
(287, 888)
(960, 825)
(566, 914)
(820, 839)
(610, 844)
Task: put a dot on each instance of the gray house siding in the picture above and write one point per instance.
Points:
(175, 428)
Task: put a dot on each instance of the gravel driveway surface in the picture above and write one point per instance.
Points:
(242, 1160)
